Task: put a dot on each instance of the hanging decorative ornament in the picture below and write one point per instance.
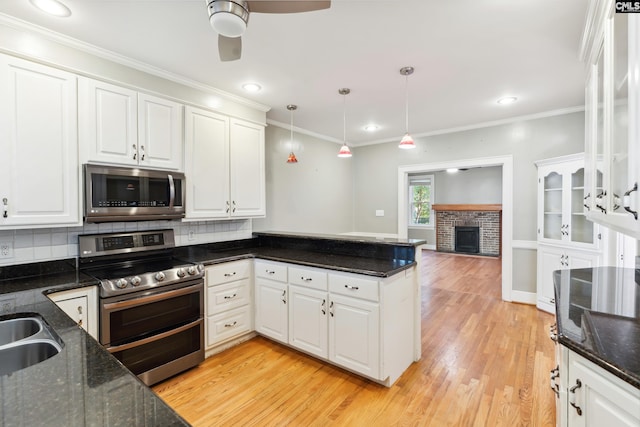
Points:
(344, 150)
(292, 157)
(407, 141)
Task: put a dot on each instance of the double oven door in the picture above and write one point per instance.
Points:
(157, 333)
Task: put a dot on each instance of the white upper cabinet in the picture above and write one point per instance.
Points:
(611, 50)
(39, 175)
(224, 164)
(124, 127)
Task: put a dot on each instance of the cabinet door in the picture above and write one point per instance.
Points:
(108, 119)
(271, 309)
(247, 169)
(39, 175)
(159, 132)
(354, 334)
(308, 325)
(602, 398)
(578, 229)
(206, 164)
(81, 305)
(551, 204)
(549, 260)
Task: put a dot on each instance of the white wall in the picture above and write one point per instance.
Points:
(314, 195)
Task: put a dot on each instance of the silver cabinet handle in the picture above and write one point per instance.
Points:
(270, 272)
(306, 279)
(626, 201)
(324, 312)
(230, 296)
(331, 309)
(353, 288)
(135, 152)
(234, 206)
(600, 201)
(5, 203)
(227, 207)
(142, 149)
(229, 274)
(231, 325)
(284, 296)
(572, 396)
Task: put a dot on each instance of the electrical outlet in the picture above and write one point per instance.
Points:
(6, 249)
(192, 234)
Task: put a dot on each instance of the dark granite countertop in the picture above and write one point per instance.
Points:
(341, 253)
(598, 315)
(81, 385)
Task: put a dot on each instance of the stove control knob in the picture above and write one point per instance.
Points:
(181, 272)
(135, 281)
(121, 283)
(192, 270)
(160, 276)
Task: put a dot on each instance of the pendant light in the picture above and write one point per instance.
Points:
(344, 150)
(292, 157)
(406, 142)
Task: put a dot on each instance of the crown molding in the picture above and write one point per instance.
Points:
(71, 42)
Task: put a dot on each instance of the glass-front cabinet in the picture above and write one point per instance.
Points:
(611, 51)
(561, 203)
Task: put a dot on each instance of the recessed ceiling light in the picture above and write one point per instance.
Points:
(507, 100)
(371, 128)
(251, 87)
(52, 7)
(452, 170)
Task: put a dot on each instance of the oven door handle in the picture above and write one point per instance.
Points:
(152, 298)
(153, 338)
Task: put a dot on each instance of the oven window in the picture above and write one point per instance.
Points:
(143, 320)
(148, 356)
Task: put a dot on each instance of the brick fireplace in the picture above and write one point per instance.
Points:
(463, 220)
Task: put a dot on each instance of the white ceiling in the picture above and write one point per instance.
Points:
(466, 55)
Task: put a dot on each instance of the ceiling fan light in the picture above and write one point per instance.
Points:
(228, 18)
(344, 151)
(406, 142)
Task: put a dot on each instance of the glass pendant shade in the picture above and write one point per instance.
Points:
(406, 143)
(292, 158)
(344, 151)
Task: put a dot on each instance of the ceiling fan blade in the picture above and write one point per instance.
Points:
(229, 48)
(291, 6)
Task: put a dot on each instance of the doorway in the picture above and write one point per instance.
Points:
(506, 162)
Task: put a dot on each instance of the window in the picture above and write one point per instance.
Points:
(421, 196)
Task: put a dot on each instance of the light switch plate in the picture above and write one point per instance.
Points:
(379, 212)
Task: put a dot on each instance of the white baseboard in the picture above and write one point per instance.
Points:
(524, 297)
(428, 247)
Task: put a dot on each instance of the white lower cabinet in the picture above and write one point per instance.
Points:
(596, 397)
(338, 317)
(81, 305)
(228, 307)
(551, 258)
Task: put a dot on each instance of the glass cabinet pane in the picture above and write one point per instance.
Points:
(619, 159)
(581, 230)
(552, 222)
(599, 120)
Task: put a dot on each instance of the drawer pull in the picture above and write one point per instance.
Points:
(331, 309)
(80, 323)
(229, 274)
(284, 296)
(231, 325)
(353, 288)
(270, 272)
(306, 279)
(324, 312)
(555, 373)
(553, 332)
(230, 296)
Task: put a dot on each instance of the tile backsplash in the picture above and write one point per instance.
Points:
(46, 244)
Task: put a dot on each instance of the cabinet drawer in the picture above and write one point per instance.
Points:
(309, 278)
(354, 286)
(228, 272)
(229, 324)
(271, 270)
(227, 296)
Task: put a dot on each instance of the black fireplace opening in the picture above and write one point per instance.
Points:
(467, 240)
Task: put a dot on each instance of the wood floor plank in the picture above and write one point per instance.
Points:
(485, 362)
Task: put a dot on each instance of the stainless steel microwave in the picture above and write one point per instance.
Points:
(131, 194)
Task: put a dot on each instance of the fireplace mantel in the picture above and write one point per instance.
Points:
(474, 208)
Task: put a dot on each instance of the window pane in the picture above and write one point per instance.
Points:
(420, 204)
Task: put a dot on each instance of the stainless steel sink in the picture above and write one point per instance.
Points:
(12, 330)
(26, 340)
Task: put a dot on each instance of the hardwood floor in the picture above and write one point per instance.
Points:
(484, 362)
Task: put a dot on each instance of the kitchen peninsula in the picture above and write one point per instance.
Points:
(83, 383)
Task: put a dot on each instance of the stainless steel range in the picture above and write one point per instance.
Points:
(151, 305)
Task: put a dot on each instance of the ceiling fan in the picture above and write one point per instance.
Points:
(229, 19)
